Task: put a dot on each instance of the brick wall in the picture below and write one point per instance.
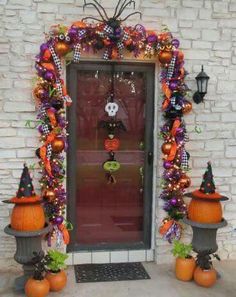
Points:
(207, 31)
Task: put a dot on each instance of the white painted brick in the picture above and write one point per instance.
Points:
(193, 3)
(219, 45)
(187, 13)
(203, 24)
(197, 55)
(232, 7)
(221, 7)
(137, 256)
(12, 142)
(205, 14)
(119, 256)
(202, 44)
(82, 258)
(190, 34)
(100, 257)
(23, 107)
(210, 35)
(47, 7)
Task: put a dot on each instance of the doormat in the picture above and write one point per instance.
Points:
(86, 273)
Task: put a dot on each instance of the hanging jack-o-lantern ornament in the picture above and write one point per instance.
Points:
(111, 108)
(58, 145)
(111, 144)
(187, 107)
(111, 166)
(165, 57)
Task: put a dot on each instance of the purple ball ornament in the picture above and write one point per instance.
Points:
(167, 164)
(173, 201)
(48, 75)
(175, 43)
(73, 33)
(173, 85)
(58, 220)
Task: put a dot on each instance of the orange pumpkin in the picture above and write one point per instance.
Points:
(187, 107)
(62, 48)
(205, 278)
(37, 288)
(57, 281)
(184, 268)
(111, 144)
(203, 211)
(27, 216)
(165, 57)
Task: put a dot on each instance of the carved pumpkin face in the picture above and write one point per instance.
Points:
(111, 166)
(111, 144)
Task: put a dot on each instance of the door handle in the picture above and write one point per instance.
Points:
(150, 158)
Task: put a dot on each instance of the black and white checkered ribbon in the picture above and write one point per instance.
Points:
(184, 160)
(108, 29)
(173, 101)
(77, 52)
(56, 60)
(125, 36)
(171, 68)
(59, 87)
(45, 129)
(106, 54)
(49, 151)
(82, 33)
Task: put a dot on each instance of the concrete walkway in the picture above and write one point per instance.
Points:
(161, 284)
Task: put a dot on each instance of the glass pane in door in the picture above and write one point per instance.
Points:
(110, 213)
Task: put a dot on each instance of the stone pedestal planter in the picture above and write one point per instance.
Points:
(204, 235)
(26, 244)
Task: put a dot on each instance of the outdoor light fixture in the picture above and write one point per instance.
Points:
(202, 83)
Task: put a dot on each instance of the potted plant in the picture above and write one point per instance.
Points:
(205, 275)
(55, 263)
(37, 286)
(185, 263)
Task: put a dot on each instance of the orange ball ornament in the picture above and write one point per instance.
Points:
(165, 57)
(38, 93)
(58, 145)
(166, 148)
(46, 55)
(49, 195)
(187, 107)
(62, 48)
(185, 181)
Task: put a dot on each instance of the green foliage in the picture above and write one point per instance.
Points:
(55, 260)
(181, 249)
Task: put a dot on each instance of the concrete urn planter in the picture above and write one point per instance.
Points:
(204, 235)
(27, 242)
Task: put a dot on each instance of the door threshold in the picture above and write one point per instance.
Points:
(99, 257)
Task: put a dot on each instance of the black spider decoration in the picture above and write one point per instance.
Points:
(111, 126)
(115, 20)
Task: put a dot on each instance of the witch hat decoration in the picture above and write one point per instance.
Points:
(26, 188)
(208, 185)
(207, 188)
(25, 193)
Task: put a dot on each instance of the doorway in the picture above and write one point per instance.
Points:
(110, 216)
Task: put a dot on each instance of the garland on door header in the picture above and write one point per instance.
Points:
(113, 39)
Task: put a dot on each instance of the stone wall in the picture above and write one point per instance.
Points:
(207, 31)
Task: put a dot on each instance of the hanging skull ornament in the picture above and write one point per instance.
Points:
(111, 108)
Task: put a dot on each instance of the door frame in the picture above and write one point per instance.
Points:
(72, 72)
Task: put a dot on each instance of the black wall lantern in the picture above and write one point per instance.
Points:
(202, 83)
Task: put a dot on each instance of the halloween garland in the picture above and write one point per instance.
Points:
(113, 39)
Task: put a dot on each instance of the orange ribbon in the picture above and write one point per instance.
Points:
(65, 233)
(52, 118)
(43, 153)
(173, 151)
(175, 125)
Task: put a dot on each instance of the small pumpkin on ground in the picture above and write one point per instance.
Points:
(37, 286)
(205, 275)
(56, 276)
(185, 263)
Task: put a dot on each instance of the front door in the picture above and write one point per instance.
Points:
(110, 210)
